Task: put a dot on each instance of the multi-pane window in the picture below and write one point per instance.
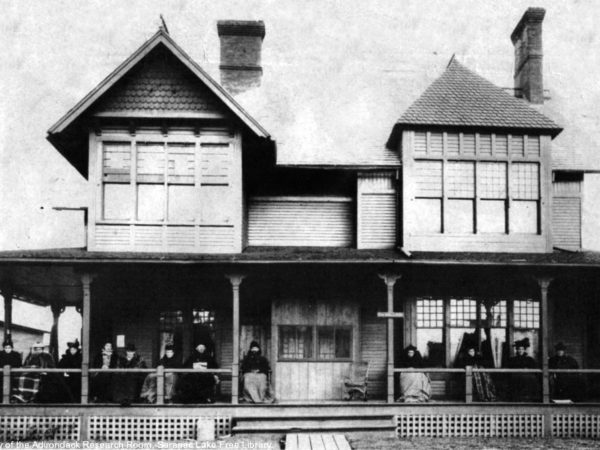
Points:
(499, 192)
(295, 342)
(300, 342)
(527, 314)
(203, 317)
(445, 327)
(463, 312)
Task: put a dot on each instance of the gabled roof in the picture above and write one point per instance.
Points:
(461, 98)
(161, 37)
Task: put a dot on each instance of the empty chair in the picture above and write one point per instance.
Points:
(355, 385)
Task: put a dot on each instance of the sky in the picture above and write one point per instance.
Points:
(55, 52)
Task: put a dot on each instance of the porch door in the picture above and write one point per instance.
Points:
(314, 345)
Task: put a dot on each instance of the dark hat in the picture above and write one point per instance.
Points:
(169, 347)
(74, 344)
(254, 344)
(7, 342)
(130, 347)
(410, 347)
(560, 346)
(522, 343)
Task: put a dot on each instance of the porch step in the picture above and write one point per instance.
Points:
(312, 424)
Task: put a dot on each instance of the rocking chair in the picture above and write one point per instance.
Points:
(355, 385)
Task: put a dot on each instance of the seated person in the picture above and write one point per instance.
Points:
(168, 361)
(126, 387)
(565, 386)
(39, 386)
(255, 371)
(484, 389)
(523, 387)
(72, 360)
(414, 386)
(9, 357)
(102, 382)
(199, 387)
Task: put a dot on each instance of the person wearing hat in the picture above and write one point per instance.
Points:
(9, 357)
(523, 387)
(127, 387)
(414, 386)
(169, 361)
(72, 360)
(563, 385)
(255, 371)
(199, 387)
(102, 382)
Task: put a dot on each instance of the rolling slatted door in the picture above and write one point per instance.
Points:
(324, 222)
(566, 222)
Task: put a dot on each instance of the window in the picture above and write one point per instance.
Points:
(170, 331)
(467, 196)
(453, 323)
(318, 343)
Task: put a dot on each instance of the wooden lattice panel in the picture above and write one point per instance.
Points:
(36, 428)
(132, 428)
(575, 425)
(468, 425)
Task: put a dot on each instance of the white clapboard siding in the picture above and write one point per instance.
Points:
(113, 237)
(373, 348)
(378, 220)
(298, 221)
(566, 222)
(377, 212)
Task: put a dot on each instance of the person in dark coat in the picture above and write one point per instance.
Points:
(564, 385)
(102, 382)
(72, 360)
(169, 361)
(523, 387)
(199, 387)
(255, 371)
(8, 357)
(126, 387)
(483, 386)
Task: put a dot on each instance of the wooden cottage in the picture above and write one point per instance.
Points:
(448, 221)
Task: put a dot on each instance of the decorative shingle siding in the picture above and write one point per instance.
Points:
(462, 98)
(159, 82)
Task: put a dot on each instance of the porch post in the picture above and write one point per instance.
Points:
(236, 281)
(57, 310)
(8, 297)
(86, 281)
(390, 281)
(544, 283)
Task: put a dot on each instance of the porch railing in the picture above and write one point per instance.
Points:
(160, 371)
(588, 387)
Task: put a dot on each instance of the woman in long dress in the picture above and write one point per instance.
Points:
(484, 388)
(415, 386)
(255, 370)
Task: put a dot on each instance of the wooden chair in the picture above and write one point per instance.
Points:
(355, 385)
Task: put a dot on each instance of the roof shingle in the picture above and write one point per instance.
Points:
(462, 98)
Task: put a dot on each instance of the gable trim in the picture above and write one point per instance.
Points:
(159, 38)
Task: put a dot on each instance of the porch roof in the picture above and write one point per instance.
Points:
(43, 276)
(286, 255)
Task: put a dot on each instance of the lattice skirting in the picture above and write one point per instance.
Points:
(576, 425)
(132, 428)
(36, 428)
(466, 425)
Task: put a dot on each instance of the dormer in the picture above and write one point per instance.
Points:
(161, 144)
(476, 168)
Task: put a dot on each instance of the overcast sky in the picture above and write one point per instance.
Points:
(55, 52)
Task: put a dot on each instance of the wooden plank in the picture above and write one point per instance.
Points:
(303, 442)
(316, 442)
(291, 442)
(341, 442)
(329, 442)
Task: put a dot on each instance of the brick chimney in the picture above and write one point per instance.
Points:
(241, 44)
(527, 39)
